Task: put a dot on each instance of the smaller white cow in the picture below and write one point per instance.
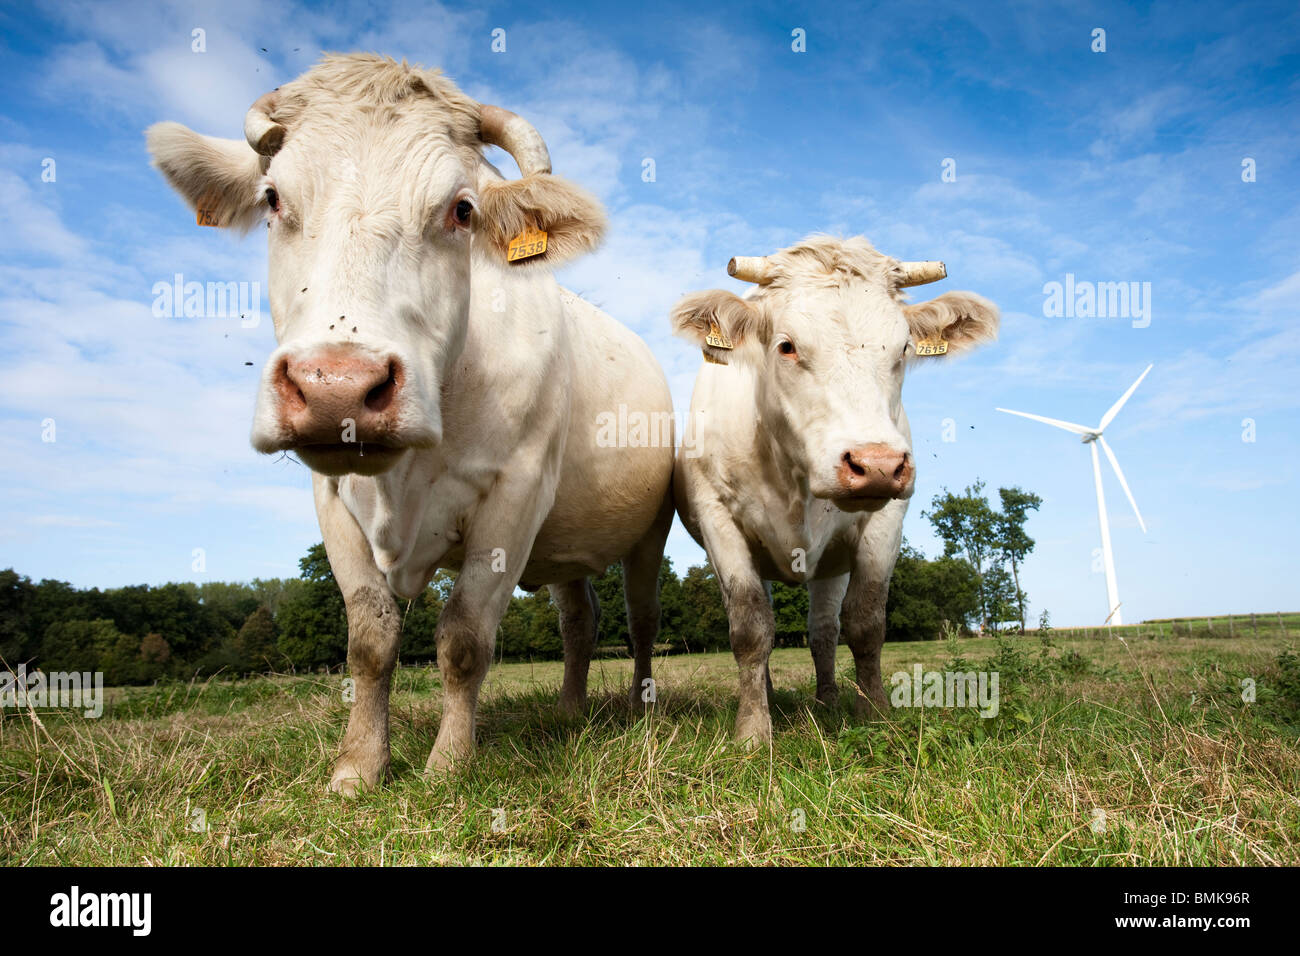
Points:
(805, 455)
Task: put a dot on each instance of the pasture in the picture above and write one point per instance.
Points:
(1104, 752)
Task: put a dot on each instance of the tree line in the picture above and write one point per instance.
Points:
(143, 633)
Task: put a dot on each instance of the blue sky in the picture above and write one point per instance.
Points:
(1124, 165)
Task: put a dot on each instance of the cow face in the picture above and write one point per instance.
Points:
(383, 221)
(827, 338)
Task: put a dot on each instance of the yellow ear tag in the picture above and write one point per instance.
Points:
(935, 346)
(716, 338)
(531, 242)
(205, 211)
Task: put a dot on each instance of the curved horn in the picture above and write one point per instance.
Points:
(919, 273)
(516, 136)
(264, 134)
(750, 269)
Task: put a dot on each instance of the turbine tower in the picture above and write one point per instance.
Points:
(1093, 437)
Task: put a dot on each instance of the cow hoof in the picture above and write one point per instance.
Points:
(753, 730)
(349, 780)
(828, 696)
(444, 759)
(870, 709)
(572, 706)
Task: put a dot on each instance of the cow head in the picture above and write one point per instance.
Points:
(378, 202)
(826, 337)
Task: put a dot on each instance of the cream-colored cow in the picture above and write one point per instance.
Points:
(801, 462)
(447, 397)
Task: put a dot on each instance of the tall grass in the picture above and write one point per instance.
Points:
(1132, 752)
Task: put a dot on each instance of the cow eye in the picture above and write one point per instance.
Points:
(787, 348)
(464, 209)
(272, 198)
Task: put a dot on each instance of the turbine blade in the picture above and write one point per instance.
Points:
(1114, 463)
(1114, 409)
(1068, 426)
(1112, 588)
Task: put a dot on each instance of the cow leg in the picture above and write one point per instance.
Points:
(767, 667)
(497, 547)
(752, 628)
(864, 606)
(465, 637)
(749, 614)
(641, 590)
(579, 614)
(374, 630)
(824, 600)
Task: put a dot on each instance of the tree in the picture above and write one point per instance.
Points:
(313, 622)
(255, 643)
(1013, 542)
(672, 605)
(154, 655)
(83, 646)
(612, 629)
(967, 525)
(120, 660)
(790, 609)
(704, 616)
(1002, 598)
(544, 640)
(17, 594)
(923, 595)
(420, 618)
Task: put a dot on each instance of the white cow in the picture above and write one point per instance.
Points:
(802, 456)
(447, 399)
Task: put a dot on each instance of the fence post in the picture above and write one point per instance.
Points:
(1230, 631)
(1254, 624)
(1281, 623)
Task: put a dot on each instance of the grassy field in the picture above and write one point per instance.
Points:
(1104, 752)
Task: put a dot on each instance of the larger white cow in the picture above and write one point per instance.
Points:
(801, 462)
(446, 398)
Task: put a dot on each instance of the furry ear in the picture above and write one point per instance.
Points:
(572, 218)
(717, 321)
(216, 176)
(961, 319)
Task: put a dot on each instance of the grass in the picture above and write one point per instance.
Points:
(1104, 752)
(1272, 624)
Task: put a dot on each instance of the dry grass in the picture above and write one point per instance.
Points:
(1153, 734)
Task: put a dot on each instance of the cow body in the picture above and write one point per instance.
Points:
(446, 398)
(801, 468)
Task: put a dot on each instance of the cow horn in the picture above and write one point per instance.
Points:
(517, 136)
(750, 269)
(264, 134)
(919, 273)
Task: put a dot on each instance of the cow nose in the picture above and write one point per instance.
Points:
(321, 393)
(876, 471)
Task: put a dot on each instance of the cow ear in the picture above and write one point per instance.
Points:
(219, 178)
(718, 322)
(954, 322)
(572, 218)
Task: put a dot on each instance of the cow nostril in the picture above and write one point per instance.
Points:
(901, 470)
(289, 389)
(853, 465)
(381, 396)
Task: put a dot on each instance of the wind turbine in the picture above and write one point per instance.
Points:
(1093, 438)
